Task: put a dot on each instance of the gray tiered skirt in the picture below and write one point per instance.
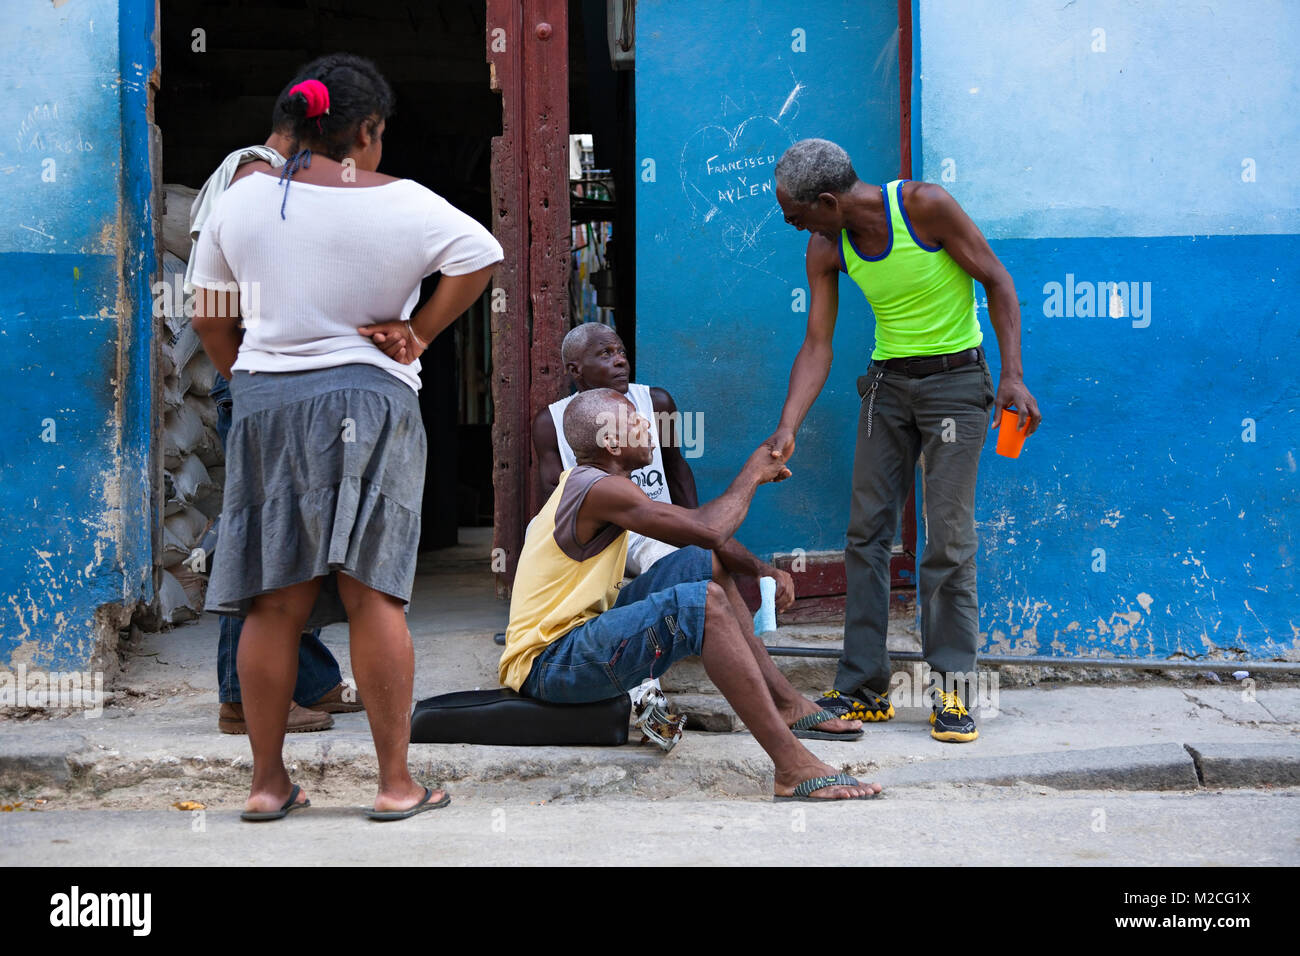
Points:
(324, 473)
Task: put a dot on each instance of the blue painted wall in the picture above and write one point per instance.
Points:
(718, 269)
(1135, 143)
(76, 256)
(1152, 154)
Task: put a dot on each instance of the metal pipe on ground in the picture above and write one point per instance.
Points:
(1140, 663)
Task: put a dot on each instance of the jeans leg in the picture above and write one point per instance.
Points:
(883, 465)
(227, 652)
(952, 412)
(221, 395)
(318, 670)
(228, 643)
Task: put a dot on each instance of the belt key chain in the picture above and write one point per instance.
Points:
(871, 399)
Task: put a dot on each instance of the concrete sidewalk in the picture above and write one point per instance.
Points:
(157, 739)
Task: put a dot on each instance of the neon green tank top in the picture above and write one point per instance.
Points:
(923, 300)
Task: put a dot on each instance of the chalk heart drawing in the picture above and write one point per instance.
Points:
(728, 178)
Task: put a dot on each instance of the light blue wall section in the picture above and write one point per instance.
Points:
(62, 102)
(76, 253)
(1114, 118)
(717, 267)
(1065, 157)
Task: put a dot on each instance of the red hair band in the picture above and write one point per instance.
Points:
(316, 94)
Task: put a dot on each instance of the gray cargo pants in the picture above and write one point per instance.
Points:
(944, 418)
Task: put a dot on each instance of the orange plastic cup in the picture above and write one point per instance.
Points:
(1011, 438)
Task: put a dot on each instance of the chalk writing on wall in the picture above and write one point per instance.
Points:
(727, 177)
(43, 130)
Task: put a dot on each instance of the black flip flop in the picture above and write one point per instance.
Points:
(803, 727)
(289, 806)
(384, 816)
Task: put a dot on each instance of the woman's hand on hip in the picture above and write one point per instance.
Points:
(395, 339)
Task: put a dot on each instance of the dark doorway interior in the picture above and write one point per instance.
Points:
(217, 91)
(602, 102)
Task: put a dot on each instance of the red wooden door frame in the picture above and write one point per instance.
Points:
(528, 53)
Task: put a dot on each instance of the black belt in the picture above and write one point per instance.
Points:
(919, 366)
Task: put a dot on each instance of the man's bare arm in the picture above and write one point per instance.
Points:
(940, 220)
(618, 501)
(813, 363)
(547, 445)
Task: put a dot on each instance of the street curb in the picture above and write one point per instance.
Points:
(1246, 764)
(1165, 766)
(549, 773)
(33, 769)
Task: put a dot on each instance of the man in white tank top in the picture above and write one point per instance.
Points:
(594, 357)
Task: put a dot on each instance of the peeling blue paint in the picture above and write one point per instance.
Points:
(1144, 454)
(76, 253)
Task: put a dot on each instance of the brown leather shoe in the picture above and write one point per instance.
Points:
(343, 699)
(230, 719)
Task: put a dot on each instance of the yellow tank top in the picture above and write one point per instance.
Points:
(560, 583)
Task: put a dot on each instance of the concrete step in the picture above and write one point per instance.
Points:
(708, 713)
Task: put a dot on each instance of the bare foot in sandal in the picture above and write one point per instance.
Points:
(269, 801)
(788, 784)
(404, 799)
(805, 707)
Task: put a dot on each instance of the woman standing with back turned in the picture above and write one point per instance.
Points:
(326, 453)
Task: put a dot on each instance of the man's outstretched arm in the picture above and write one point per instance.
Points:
(616, 500)
(813, 363)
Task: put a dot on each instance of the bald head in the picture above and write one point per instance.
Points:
(590, 417)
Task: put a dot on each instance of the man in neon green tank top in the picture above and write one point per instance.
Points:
(928, 393)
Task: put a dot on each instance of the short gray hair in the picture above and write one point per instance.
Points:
(814, 166)
(580, 338)
(588, 415)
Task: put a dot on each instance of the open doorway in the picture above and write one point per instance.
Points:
(602, 206)
(223, 64)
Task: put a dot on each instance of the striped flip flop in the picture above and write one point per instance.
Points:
(803, 791)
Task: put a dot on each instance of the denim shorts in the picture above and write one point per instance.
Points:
(658, 619)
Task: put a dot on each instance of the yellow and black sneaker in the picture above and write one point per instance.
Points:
(950, 721)
(865, 705)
